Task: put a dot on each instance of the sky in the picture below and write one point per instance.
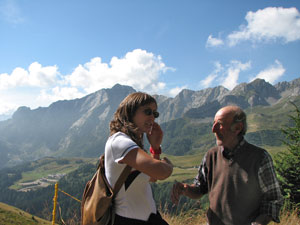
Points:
(54, 50)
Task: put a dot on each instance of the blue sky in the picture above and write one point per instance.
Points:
(54, 50)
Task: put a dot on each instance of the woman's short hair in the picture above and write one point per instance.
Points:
(123, 117)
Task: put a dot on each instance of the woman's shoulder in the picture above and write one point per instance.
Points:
(119, 144)
(121, 140)
(119, 135)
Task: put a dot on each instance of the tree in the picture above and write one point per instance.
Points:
(287, 163)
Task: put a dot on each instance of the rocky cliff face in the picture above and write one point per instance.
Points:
(173, 108)
(206, 102)
(79, 127)
(70, 128)
(257, 92)
(92, 125)
(288, 89)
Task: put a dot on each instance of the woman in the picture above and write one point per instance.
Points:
(134, 117)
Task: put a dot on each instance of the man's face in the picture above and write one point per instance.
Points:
(226, 133)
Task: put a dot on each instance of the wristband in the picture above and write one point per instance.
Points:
(155, 151)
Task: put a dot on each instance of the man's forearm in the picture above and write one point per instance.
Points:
(192, 191)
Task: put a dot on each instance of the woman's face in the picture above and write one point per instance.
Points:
(144, 117)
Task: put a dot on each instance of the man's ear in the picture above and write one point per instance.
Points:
(238, 127)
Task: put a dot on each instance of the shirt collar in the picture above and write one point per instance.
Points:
(230, 153)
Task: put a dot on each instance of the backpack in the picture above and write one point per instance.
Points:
(98, 197)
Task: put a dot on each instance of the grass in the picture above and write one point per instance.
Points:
(181, 174)
(270, 117)
(273, 150)
(185, 167)
(198, 217)
(186, 161)
(10, 215)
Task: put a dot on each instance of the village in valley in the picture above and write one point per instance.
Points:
(40, 183)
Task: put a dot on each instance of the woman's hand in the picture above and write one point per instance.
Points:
(155, 136)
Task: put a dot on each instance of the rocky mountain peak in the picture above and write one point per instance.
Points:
(288, 89)
(258, 86)
(80, 127)
(21, 111)
(257, 92)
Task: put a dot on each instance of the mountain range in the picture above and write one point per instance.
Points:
(80, 127)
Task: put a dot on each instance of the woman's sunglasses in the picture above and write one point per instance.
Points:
(150, 112)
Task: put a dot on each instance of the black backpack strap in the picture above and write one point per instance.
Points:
(126, 176)
(131, 178)
(122, 179)
(123, 176)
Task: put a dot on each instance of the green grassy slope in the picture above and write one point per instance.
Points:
(271, 117)
(10, 215)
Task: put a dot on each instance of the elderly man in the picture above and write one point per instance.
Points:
(238, 177)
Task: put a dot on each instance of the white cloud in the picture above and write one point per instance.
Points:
(59, 93)
(11, 99)
(138, 69)
(207, 82)
(233, 72)
(35, 76)
(226, 76)
(269, 24)
(41, 85)
(174, 91)
(7, 108)
(272, 73)
(213, 42)
(42, 76)
(10, 12)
